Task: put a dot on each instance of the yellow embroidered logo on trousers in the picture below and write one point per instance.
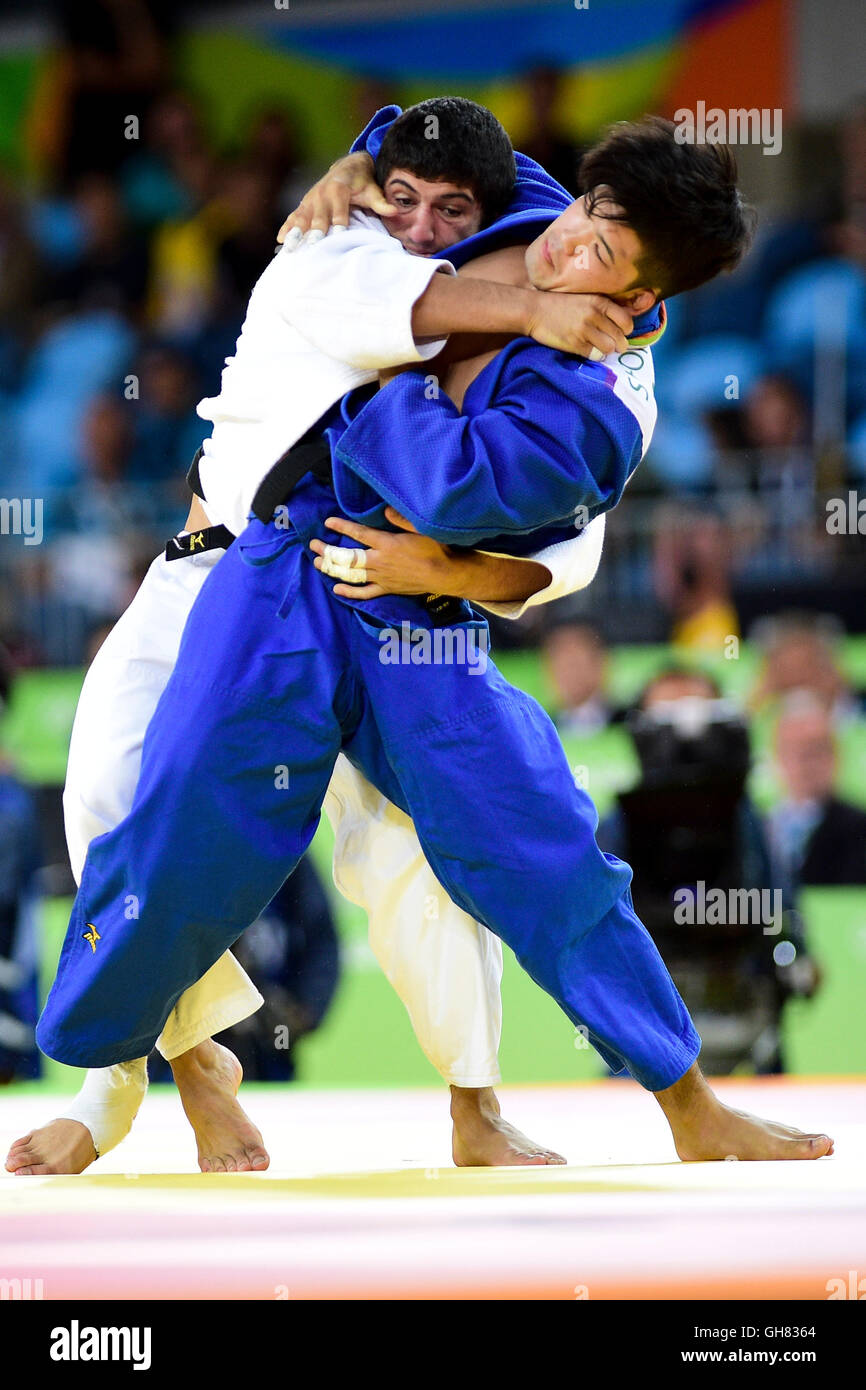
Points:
(92, 936)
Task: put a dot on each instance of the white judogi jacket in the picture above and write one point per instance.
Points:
(321, 321)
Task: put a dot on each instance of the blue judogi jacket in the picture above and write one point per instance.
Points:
(541, 435)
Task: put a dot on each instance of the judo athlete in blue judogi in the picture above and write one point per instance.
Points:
(238, 755)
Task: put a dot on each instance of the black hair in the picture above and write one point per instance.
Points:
(680, 199)
(452, 140)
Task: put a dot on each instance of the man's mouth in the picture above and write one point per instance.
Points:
(545, 254)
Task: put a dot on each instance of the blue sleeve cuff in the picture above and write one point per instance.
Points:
(375, 130)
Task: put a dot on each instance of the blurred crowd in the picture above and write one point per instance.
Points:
(127, 260)
(125, 274)
(689, 823)
(800, 699)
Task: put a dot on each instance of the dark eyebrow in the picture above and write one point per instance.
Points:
(606, 247)
(604, 243)
(467, 197)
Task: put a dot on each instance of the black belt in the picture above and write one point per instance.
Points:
(311, 454)
(197, 542)
(192, 476)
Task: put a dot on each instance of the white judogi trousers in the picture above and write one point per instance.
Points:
(445, 967)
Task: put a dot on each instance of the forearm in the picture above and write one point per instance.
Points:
(463, 305)
(482, 578)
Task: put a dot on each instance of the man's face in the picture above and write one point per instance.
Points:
(806, 754)
(585, 253)
(432, 216)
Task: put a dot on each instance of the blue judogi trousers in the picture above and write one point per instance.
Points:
(274, 677)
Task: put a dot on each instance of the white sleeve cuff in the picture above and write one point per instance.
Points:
(352, 297)
(573, 564)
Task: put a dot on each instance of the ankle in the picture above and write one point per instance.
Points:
(467, 1101)
(687, 1095)
(195, 1059)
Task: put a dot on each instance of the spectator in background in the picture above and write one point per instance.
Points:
(105, 521)
(272, 148)
(245, 252)
(169, 172)
(691, 566)
(111, 270)
(775, 414)
(575, 657)
(799, 655)
(167, 429)
(183, 283)
(113, 61)
(818, 839)
(544, 140)
(776, 426)
(20, 860)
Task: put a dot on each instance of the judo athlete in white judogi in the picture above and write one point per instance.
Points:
(319, 322)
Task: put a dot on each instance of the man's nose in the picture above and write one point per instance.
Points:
(422, 229)
(573, 241)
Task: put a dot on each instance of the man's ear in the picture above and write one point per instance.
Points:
(638, 301)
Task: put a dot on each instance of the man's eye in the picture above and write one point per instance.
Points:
(453, 212)
(403, 202)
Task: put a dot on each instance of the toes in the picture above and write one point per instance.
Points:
(260, 1160)
(820, 1144)
(35, 1170)
(230, 1164)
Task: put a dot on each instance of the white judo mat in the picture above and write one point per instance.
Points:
(361, 1201)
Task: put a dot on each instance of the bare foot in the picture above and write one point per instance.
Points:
(482, 1139)
(208, 1078)
(63, 1146)
(705, 1129)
